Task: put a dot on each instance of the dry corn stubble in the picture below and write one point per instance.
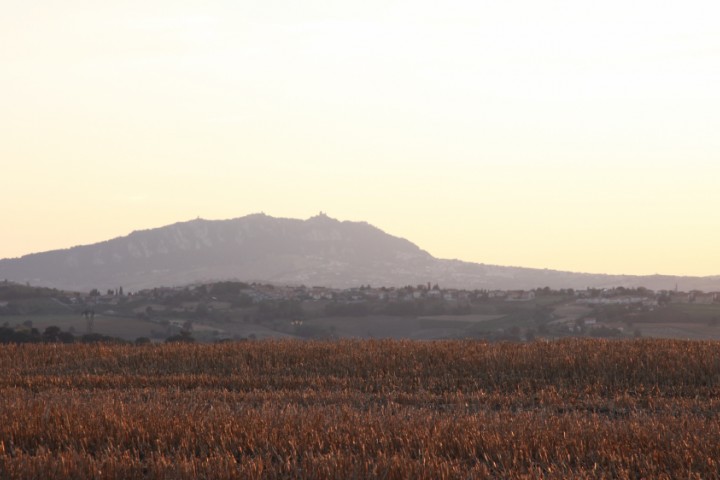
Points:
(362, 409)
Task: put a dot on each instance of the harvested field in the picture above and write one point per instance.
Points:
(362, 409)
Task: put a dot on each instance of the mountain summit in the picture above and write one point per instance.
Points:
(317, 251)
(320, 250)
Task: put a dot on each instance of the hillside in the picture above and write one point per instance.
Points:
(318, 251)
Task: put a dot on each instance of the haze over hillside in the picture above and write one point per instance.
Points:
(317, 251)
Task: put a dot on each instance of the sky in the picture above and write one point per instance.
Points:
(572, 135)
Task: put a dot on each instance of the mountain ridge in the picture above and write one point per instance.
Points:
(318, 251)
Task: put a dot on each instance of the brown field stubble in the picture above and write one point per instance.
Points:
(362, 409)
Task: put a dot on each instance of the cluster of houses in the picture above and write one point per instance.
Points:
(391, 294)
(267, 292)
(257, 293)
(625, 300)
(646, 298)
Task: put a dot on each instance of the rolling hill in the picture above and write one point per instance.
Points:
(316, 251)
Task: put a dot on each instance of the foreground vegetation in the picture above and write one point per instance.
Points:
(361, 409)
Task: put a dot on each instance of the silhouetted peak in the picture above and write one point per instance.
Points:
(320, 251)
(322, 217)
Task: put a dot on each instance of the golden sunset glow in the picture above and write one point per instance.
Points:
(578, 136)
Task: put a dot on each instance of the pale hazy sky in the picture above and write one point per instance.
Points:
(572, 135)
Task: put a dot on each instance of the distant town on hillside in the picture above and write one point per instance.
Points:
(233, 310)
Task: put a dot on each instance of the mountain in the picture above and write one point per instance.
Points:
(317, 251)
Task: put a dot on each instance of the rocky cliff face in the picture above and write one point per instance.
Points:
(317, 251)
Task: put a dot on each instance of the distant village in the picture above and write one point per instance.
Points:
(259, 292)
(239, 310)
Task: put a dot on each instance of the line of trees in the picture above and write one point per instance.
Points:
(51, 334)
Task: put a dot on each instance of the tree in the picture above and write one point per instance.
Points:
(66, 337)
(51, 333)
